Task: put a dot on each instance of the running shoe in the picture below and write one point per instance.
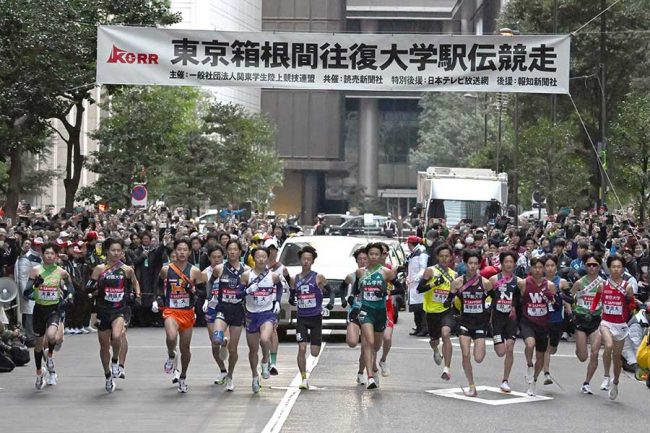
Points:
(50, 365)
(169, 365)
(445, 374)
(256, 384)
(531, 389)
(613, 391)
(121, 373)
(376, 376)
(505, 387)
(221, 377)
(115, 370)
(604, 386)
(372, 384)
(530, 375)
(40, 382)
(586, 389)
(437, 357)
(229, 385)
(361, 379)
(548, 380)
(182, 386)
(223, 350)
(51, 378)
(471, 391)
(265, 370)
(84, 331)
(89, 329)
(385, 371)
(304, 384)
(175, 376)
(273, 370)
(110, 385)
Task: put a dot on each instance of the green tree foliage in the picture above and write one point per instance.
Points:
(631, 149)
(48, 49)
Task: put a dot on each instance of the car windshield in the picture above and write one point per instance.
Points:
(377, 221)
(289, 255)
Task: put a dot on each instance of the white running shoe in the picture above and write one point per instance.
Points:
(548, 380)
(50, 365)
(229, 385)
(221, 378)
(273, 370)
(265, 370)
(110, 385)
(256, 384)
(169, 365)
(115, 370)
(586, 389)
(175, 376)
(530, 375)
(40, 382)
(613, 391)
(531, 389)
(223, 350)
(84, 331)
(372, 384)
(604, 386)
(304, 384)
(505, 387)
(89, 329)
(182, 386)
(376, 376)
(361, 379)
(122, 373)
(385, 371)
(445, 374)
(51, 378)
(437, 357)
(74, 331)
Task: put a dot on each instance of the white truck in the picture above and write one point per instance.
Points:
(455, 194)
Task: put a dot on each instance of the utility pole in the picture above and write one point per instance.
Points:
(603, 104)
(515, 181)
(554, 97)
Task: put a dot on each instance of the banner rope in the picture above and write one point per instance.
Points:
(573, 33)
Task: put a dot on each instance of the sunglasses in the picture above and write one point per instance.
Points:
(592, 265)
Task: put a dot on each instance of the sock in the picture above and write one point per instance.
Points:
(304, 375)
(107, 375)
(114, 360)
(585, 383)
(122, 365)
(274, 357)
(38, 358)
(224, 371)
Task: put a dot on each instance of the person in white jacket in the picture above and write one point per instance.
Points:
(30, 256)
(416, 264)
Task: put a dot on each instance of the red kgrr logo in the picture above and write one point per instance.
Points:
(119, 55)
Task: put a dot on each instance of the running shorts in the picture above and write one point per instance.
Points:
(106, 317)
(184, 317)
(472, 330)
(310, 330)
(586, 323)
(232, 314)
(254, 321)
(436, 321)
(533, 330)
(619, 331)
(43, 317)
(555, 333)
(503, 328)
(375, 317)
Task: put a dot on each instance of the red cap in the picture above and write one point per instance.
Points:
(413, 240)
(91, 235)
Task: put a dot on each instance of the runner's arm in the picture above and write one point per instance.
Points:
(241, 287)
(423, 286)
(277, 281)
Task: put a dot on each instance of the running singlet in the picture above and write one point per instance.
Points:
(535, 301)
(615, 309)
(176, 291)
(309, 297)
(585, 297)
(112, 284)
(262, 298)
(227, 284)
(504, 292)
(373, 289)
(440, 285)
(49, 292)
(472, 299)
(556, 309)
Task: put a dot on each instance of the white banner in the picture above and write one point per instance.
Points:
(333, 61)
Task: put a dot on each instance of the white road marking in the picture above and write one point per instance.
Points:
(457, 393)
(289, 399)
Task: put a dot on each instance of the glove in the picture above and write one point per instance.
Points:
(292, 300)
(329, 306)
(38, 281)
(350, 300)
(344, 303)
(69, 299)
(205, 306)
(154, 306)
(276, 307)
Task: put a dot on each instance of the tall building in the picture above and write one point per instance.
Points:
(337, 143)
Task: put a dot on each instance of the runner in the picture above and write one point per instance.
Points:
(50, 287)
(353, 303)
(279, 269)
(616, 296)
(504, 315)
(180, 281)
(113, 285)
(225, 312)
(536, 294)
(262, 290)
(556, 312)
(307, 287)
(586, 322)
(435, 284)
(472, 291)
(390, 316)
(372, 285)
(219, 347)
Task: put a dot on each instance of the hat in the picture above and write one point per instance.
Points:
(194, 235)
(270, 243)
(2, 231)
(76, 250)
(37, 241)
(62, 244)
(257, 237)
(64, 234)
(413, 240)
(91, 235)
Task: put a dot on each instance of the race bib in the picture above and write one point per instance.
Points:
(262, 298)
(537, 310)
(440, 295)
(229, 296)
(613, 310)
(370, 294)
(473, 306)
(113, 294)
(46, 293)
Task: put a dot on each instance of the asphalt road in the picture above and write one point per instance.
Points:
(146, 401)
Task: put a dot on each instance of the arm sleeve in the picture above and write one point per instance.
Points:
(423, 286)
(28, 293)
(278, 288)
(332, 293)
(594, 303)
(241, 291)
